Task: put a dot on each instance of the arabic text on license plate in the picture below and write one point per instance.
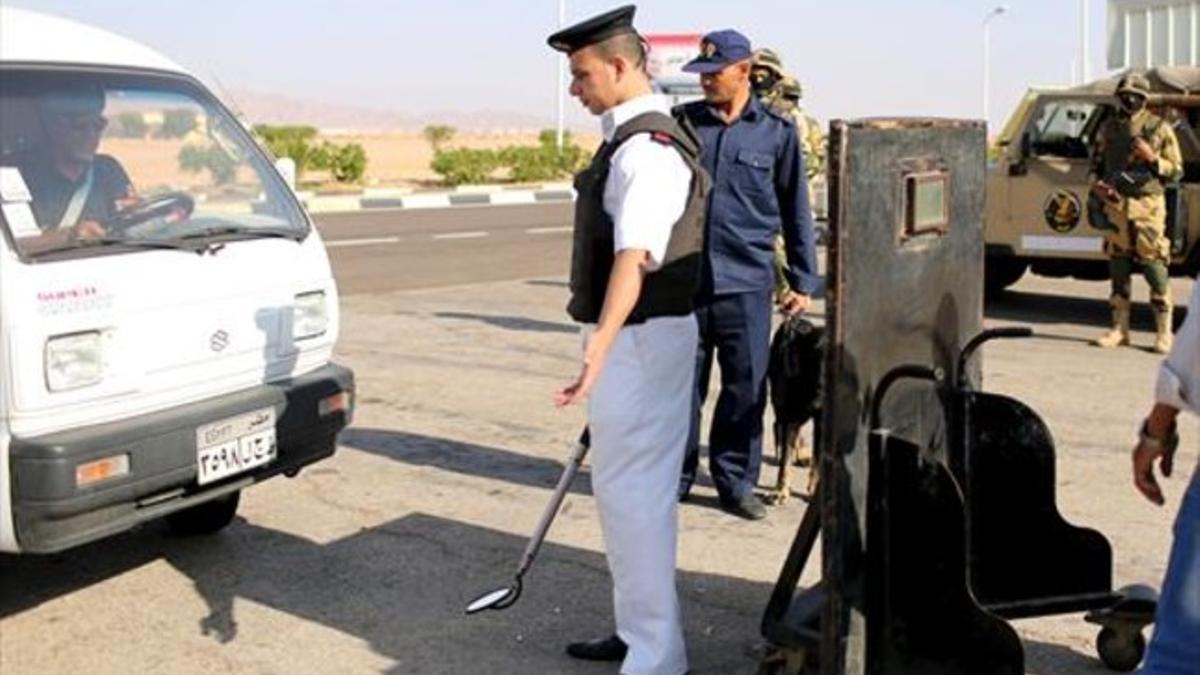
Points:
(234, 445)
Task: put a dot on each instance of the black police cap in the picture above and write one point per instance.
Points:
(596, 29)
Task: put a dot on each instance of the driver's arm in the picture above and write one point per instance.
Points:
(112, 191)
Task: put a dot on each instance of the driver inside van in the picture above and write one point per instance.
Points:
(75, 189)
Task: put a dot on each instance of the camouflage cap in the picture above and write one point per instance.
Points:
(1134, 83)
(767, 58)
(789, 88)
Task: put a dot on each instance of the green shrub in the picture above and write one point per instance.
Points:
(130, 125)
(348, 163)
(177, 123)
(221, 166)
(289, 141)
(438, 135)
(460, 166)
(520, 163)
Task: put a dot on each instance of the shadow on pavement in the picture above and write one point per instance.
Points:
(513, 322)
(1043, 308)
(401, 587)
(465, 458)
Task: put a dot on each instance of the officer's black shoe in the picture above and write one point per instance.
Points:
(611, 648)
(749, 507)
(685, 491)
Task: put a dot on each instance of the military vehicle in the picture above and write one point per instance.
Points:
(1037, 184)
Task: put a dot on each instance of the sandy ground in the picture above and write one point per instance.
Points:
(393, 159)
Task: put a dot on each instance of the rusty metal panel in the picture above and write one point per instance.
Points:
(900, 294)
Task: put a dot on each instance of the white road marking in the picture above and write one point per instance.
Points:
(461, 235)
(549, 230)
(336, 243)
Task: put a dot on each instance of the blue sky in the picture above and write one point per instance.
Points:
(855, 57)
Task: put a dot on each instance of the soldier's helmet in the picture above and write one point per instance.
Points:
(1134, 83)
(769, 60)
(789, 88)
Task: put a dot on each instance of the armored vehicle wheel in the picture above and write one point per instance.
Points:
(205, 518)
(1121, 651)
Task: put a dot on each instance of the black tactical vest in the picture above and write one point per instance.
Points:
(1131, 180)
(668, 291)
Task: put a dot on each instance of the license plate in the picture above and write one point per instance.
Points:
(235, 445)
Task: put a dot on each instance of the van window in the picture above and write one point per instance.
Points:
(1061, 129)
(105, 163)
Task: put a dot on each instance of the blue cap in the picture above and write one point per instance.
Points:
(718, 49)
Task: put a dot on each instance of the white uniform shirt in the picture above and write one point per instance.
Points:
(648, 183)
(1179, 376)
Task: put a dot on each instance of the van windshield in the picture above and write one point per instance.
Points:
(103, 162)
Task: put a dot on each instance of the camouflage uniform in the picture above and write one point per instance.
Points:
(781, 93)
(1134, 218)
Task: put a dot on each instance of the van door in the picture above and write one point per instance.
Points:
(1048, 201)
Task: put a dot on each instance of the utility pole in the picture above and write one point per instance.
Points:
(987, 54)
(562, 60)
(1085, 74)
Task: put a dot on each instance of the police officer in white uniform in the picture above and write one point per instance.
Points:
(634, 272)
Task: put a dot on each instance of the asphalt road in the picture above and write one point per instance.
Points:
(364, 562)
(385, 250)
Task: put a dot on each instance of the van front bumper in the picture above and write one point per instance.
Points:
(52, 513)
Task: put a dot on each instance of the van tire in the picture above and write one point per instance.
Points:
(207, 518)
(1000, 273)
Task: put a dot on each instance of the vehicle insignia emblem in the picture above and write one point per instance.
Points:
(1063, 210)
(218, 341)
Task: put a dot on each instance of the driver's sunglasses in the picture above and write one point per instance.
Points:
(82, 123)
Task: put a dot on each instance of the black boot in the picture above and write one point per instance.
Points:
(611, 648)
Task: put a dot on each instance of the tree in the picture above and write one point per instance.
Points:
(221, 166)
(177, 123)
(130, 125)
(438, 135)
(289, 141)
(348, 163)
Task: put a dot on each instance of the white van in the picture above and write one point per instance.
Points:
(167, 310)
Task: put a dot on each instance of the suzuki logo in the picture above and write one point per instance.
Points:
(219, 341)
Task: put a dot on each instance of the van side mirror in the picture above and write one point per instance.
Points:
(1019, 167)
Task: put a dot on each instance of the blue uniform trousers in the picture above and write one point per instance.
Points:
(737, 327)
(1175, 647)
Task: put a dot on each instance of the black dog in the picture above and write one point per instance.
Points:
(795, 376)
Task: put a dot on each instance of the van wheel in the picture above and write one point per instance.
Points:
(1000, 273)
(206, 518)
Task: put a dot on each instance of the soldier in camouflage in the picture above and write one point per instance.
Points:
(782, 93)
(1136, 155)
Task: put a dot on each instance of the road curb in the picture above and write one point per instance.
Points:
(401, 198)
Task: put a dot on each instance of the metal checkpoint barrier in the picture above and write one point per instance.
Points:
(936, 509)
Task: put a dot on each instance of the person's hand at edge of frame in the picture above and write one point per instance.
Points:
(1158, 442)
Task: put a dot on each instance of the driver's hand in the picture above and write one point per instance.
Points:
(88, 229)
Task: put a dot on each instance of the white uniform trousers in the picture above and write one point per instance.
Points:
(638, 413)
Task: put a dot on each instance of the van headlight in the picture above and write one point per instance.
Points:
(75, 360)
(310, 315)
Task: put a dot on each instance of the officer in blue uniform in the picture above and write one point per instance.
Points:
(759, 189)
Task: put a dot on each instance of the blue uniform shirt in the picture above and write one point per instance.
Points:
(759, 187)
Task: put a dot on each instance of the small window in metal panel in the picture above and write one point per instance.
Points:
(927, 203)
